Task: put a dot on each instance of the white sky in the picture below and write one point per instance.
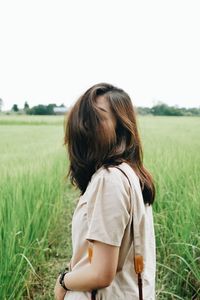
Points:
(53, 50)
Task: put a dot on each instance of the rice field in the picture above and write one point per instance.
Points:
(34, 195)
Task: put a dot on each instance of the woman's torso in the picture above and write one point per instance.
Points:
(124, 285)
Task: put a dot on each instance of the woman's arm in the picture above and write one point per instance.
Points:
(97, 274)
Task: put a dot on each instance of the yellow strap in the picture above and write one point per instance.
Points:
(138, 264)
(90, 252)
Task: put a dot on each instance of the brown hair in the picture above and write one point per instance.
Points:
(91, 144)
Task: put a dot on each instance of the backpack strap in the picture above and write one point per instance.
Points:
(138, 258)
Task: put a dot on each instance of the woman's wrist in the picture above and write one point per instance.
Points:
(62, 279)
(65, 282)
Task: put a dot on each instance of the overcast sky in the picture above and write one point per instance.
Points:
(52, 50)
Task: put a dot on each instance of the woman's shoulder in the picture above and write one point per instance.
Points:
(116, 172)
(112, 179)
(110, 187)
(111, 173)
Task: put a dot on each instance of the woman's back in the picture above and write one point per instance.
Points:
(104, 213)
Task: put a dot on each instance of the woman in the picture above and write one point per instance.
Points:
(112, 226)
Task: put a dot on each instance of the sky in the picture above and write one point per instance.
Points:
(51, 51)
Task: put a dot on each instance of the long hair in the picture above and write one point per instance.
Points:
(92, 144)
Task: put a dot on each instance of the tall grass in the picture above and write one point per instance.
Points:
(32, 190)
(172, 153)
(33, 166)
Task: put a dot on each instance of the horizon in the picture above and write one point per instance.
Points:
(68, 107)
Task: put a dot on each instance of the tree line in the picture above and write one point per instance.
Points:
(159, 109)
(162, 109)
(39, 109)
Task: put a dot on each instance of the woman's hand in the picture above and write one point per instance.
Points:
(59, 291)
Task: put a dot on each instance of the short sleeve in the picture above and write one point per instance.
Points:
(108, 207)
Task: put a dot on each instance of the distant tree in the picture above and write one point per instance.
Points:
(15, 108)
(50, 110)
(194, 111)
(143, 110)
(163, 109)
(38, 110)
(42, 109)
(26, 106)
(1, 104)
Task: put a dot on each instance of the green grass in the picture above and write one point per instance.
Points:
(33, 192)
(36, 204)
(15, 119)
(172, 154)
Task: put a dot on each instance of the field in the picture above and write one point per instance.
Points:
(36, 204)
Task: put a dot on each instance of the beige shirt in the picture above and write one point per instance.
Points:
(104, 213)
